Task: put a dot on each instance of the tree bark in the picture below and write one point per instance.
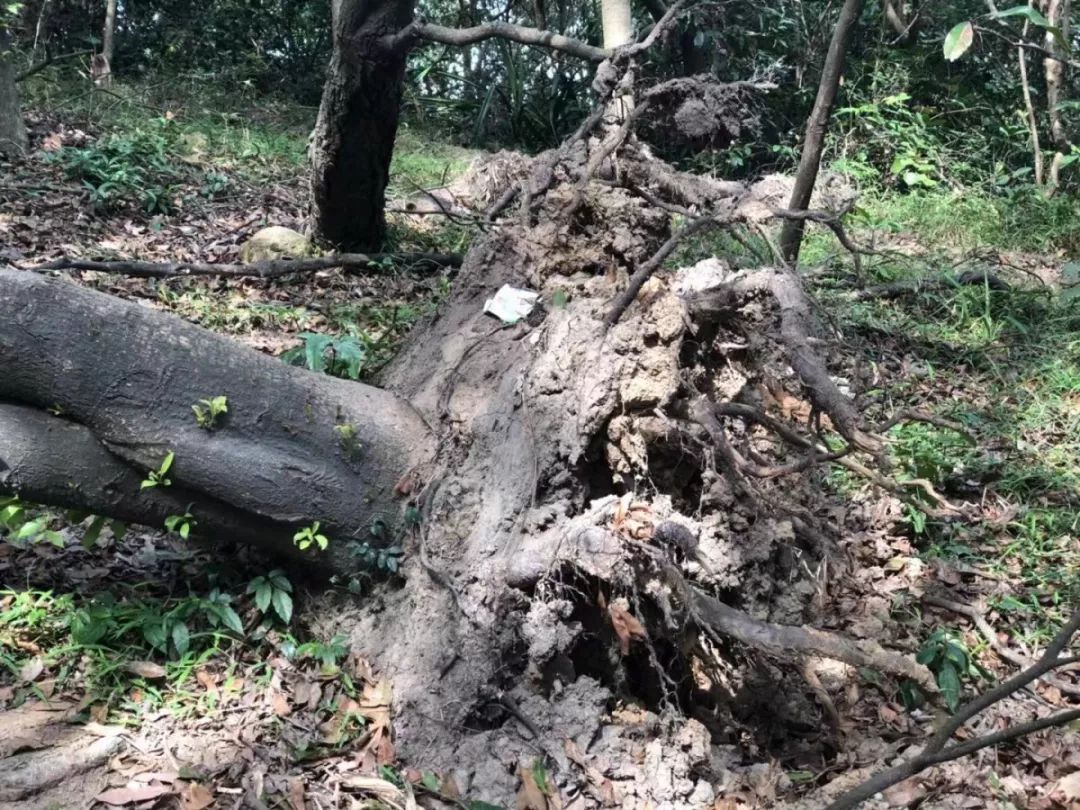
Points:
(1029, 106)
(357, 123)
(277, 458)
(1057, 14)
(108, 32)
(817, 126)
(13, 140)
(904, 23)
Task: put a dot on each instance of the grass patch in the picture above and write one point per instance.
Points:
(964, 220)
(1006, 366)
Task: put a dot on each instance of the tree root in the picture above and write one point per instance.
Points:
(715, 618)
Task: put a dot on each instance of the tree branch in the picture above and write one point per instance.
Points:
(502, 30)
(48, 60)
(271, 268)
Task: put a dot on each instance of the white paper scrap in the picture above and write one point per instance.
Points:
(511, 304)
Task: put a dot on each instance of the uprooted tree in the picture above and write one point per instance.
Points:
(537, 589)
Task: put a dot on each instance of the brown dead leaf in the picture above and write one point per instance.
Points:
(99, 712)
(29, 671)
(906, 793)
(145, 669)
(280, 704)
(47, 687)
(626, 626)
(530, 796)
(633, 519)
(1069, 786)
(448, 788)
(207, 681)
(118, 797)
(194, 796)
(295, 794)
(379, 788)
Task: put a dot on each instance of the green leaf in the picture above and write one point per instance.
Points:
(166, 463)
(949, 682)
(430, 781)
(559, 299)
(279, 580)
(958, 40)
(185, 530)
(154, 633)
(181, 638)
(283, 605)
(479, 805)
(957, 655)
(118, 529)
(1031, 14)
(911, 695)
(927, 654)
(262, 596)
(30, 529)
(93, 532)
(230, 619)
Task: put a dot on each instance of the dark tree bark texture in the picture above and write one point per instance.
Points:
(817, 126)
(294, 447)
(354, 135)
(12, 131)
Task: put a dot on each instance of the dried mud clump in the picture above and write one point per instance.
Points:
(699, 111)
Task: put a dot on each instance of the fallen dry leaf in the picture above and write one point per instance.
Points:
(194, 796)
(1069, 786)
(295, 794)
(280, 704)
(626, 626)
(31, 669)
(145, 669)
(117, 797)
(530, 796)
(208, 681)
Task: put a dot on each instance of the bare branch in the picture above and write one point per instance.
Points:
(502, 30)
(48, 60)
(271, 268)
(644, 273)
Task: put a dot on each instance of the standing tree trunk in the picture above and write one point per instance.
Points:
(904, 22)
(13, 138)
(354, 135)
(816, 127)
(1057, 14)
(618, 30)
(1029, 106)
(107, 34)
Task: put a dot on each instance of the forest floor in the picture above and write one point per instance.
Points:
(173, 676)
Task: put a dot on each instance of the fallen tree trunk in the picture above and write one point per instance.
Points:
(294, 447)
(48, 460)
